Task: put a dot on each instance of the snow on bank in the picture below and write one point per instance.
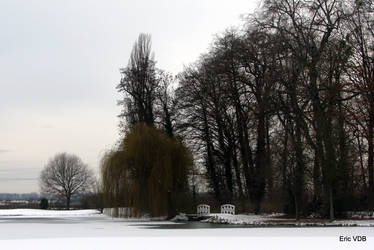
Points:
(97, 231)
(7, 213)
(272, 220)
(180, 217)
(360, 215)
(238, 219)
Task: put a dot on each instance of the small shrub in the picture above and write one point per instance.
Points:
(43, 203)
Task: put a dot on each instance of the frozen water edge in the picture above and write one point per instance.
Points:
(90, 230)
(13, 213)
(271, 220)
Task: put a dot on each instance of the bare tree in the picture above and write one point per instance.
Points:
(361, 39)
(165, 103)
(138, 84)
(65, 175)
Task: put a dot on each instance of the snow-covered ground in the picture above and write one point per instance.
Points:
(273, 220)
(32, 213)
(361, 214)
(86, 229)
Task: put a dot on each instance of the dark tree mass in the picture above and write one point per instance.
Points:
(148, 173)
(278, 115)
(139, 83)
(149, 170)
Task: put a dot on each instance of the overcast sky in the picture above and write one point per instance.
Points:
(59, 66)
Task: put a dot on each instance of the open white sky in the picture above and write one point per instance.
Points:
(59, 66)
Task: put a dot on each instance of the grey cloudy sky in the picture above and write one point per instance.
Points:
(59, 65)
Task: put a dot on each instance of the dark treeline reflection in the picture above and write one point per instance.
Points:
(278, 115)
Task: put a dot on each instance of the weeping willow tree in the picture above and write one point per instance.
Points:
(114, 178)
(148, 172)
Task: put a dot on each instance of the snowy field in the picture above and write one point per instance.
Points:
(87, 229)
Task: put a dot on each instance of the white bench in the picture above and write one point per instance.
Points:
(203, 209)
(227, 209)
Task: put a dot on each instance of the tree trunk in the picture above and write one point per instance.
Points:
(284, 169)
(317, 186)
(297, 212)
(299, 171)
(325, 149)
(68, 202)
(371, 156)
(363, 172)
(237, 172)
(168, 124)
(331, 201)
(244, 148)
(171, 206)
(226, 154)
(210, 164)
(259, 182)
(257, 206)
(269, 163)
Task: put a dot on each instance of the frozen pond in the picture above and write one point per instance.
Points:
(96, 231)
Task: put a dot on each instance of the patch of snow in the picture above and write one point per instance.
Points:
(271, 220)
(46, 213)
(180, 217)
(360, 214)
(314, 215)
(238, 219)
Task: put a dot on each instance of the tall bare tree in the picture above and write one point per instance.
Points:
(310, 27)
(138, 83)
(361, 38)
(66, 175)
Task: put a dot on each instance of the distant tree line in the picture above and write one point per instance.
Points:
(282, 108)
(16, 197)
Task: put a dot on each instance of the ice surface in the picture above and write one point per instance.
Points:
(88, 230)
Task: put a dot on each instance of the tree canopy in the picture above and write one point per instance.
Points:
(148, 172)
(278, 113)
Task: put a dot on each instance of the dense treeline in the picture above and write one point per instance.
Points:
(287, 104)
(282, 109)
